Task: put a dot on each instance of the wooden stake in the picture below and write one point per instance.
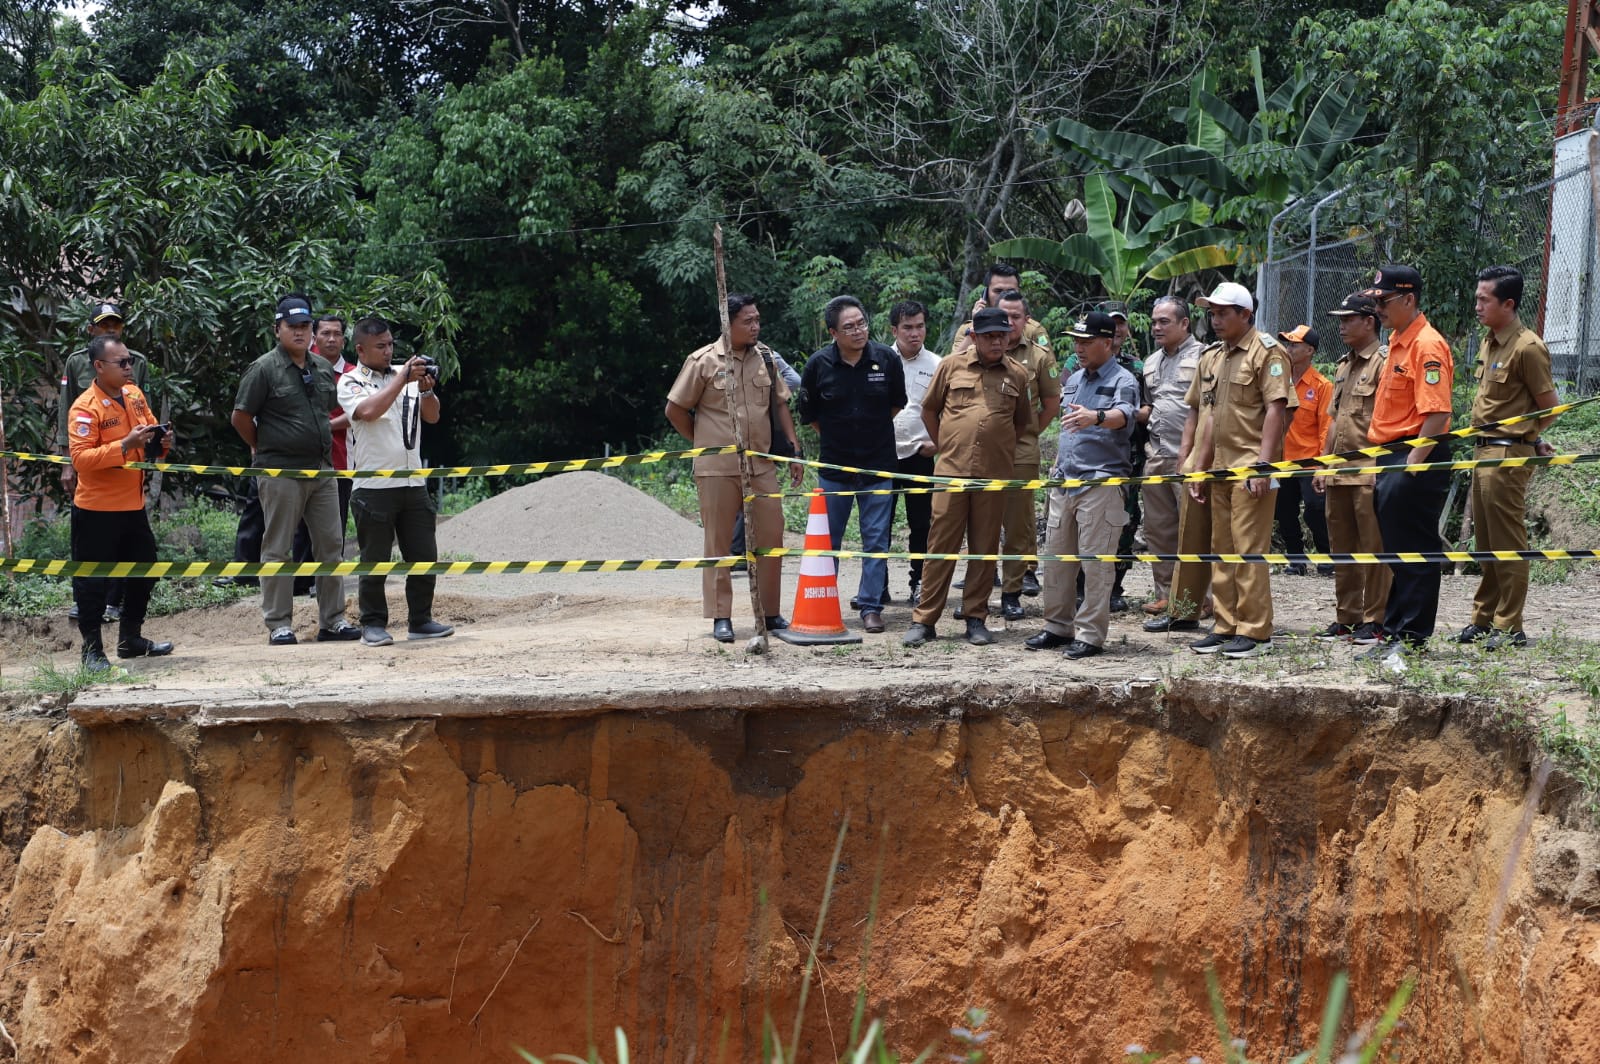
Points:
(5, 485)
(735, 395)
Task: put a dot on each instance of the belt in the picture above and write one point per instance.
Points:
(1501, 441)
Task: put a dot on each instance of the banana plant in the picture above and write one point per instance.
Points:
(1120, 251)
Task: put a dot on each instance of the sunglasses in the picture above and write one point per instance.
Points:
(1384, 301)
(124, 363)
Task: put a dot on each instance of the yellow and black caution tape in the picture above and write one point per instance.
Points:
(1243, 472)
(566, 466)
(173, 570)
(1410, 557)
(1190, 478)
(177, 570)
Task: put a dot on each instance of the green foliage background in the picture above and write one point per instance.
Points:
(530, 193)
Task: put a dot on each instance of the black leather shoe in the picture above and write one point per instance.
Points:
(1046, 641)
(142, 648)
(776, 623)
(1170, 624)
(1030, 584)
(722, 630)
(1474, 632)
(343, 632)
(855, 602)
(94, 660)
(1119, 604)
(918, 634)
(1011, 607)
(1079, 649)
(978, 633)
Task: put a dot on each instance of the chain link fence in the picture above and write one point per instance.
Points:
(1545, 229)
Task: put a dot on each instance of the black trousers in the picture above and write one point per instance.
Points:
(1409, 506)
(1292, 493)
(384, 516)
(919, 508)
(253, 525)
(114, 586)
(111, 536)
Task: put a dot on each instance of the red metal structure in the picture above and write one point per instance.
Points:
(1582, 45)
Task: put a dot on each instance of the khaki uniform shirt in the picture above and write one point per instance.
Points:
(1205, 372)
(1044, 382)
(704, 387)
(1513, 367)
(981, 410)
(1166, 384)
(1355, 389)
(1032, 331)
(1248, 377)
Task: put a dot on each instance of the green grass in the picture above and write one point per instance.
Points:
(49, 679)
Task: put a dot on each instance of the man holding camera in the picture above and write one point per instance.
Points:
(109, 426)
(386, 408)
(281, 413)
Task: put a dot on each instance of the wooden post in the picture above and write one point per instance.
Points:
(735, 395)
(5, 485)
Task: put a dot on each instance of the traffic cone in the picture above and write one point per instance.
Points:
(816, 618)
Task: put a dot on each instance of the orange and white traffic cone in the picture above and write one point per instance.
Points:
(816, 618)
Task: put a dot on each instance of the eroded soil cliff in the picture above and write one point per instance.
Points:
(1068, 858)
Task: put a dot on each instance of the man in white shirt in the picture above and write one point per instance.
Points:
(386, 408)
(913, 447)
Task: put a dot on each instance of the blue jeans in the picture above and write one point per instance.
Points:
(875, 513)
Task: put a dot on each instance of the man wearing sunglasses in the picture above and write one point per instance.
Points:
(281, 413)
(111, 425)
(76, 377)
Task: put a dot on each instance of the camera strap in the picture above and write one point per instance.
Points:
(410, 419)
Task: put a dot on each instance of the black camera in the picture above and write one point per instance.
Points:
(152, 446)
(429, 366)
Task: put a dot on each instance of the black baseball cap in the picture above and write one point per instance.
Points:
(293, 310)
(1095, 324)
(1356, 303)
(106, 311)
(1396, 280)
(991, 320)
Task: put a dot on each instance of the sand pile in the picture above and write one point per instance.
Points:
(574, 515)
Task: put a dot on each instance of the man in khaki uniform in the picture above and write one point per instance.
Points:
(700, 406)
(1001, 278)
(1250, 398)
(1020, 526)
(1513, 378)
(975, 408)
(1360, 591)
(1167, 375)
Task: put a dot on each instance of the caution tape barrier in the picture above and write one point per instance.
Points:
(566, 466)
(178, 570)
(1193, 478)
(1244, 472)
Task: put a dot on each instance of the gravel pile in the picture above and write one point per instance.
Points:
(574, 515)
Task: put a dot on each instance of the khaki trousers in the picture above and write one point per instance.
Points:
(1086, 523)
(1241, 592)
(1499, 522)
(1191, 581)
(1360, 591)
(719, 509)
(1163, 504)
(975, 515)
(1019, 529)
(285, 502)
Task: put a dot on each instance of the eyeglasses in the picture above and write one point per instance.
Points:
(1384, 301)
(124, 363)
(854, 327)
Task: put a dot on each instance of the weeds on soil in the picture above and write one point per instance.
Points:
(48, 679)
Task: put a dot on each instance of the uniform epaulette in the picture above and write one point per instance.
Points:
(1383, 349)
(1267, 341)
(1215, 345)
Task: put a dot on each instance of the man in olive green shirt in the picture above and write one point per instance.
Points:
(281, 413)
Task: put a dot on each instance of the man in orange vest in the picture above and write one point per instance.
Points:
(1312, 419)
(109, 426)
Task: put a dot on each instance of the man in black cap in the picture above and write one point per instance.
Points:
(974, 409)
(1360, 591)
(76, 376)
(1413, 400)
(1100, 404)
(281, 413)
